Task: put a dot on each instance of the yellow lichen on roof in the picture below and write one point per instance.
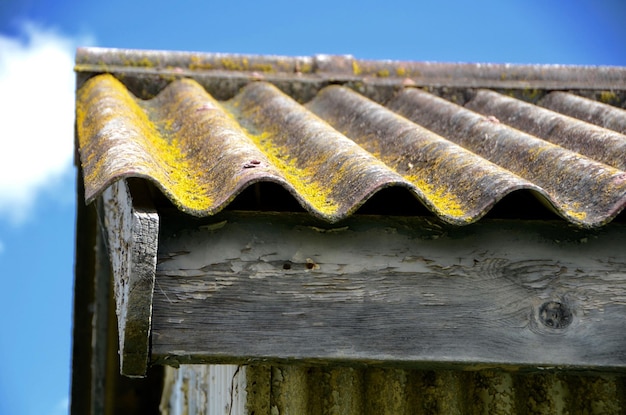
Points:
(443, 201)
(333, 153)
(438, 198)
(197, 63)
(580, 216)
(106, 111)
(572, 210)
(301, 179)
(608, 97)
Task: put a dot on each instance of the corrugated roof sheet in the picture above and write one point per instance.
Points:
(336, 147)
(374, 390)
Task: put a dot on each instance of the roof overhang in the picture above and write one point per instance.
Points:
(426, 292)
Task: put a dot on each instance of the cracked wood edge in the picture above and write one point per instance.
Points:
(132, 234)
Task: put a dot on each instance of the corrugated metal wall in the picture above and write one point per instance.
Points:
(350, 391)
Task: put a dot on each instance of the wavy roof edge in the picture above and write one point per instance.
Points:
(146, 94)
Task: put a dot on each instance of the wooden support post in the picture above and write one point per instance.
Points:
(132, 226)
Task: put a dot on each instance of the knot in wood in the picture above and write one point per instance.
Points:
(555, 315)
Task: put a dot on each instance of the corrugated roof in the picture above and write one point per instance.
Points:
(332, 146)
(375, 390)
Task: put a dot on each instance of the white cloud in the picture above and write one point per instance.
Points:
(37, 85)
(62, 407)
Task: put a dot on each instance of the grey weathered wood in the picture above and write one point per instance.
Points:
(132, 228)
(251, 287)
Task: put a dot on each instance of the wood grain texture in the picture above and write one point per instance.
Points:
(132, 228)
(261, 287)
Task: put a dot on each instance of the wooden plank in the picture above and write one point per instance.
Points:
(205, 390)
(132, 227)
(283, 288)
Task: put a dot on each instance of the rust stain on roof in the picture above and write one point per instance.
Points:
(337, 148)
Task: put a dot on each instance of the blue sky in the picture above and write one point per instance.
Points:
(37, 42)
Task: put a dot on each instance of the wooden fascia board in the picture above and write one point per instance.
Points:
(251, 287)
(132, 227)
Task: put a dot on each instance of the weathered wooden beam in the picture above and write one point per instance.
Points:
(283, 288)
(132, 227)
